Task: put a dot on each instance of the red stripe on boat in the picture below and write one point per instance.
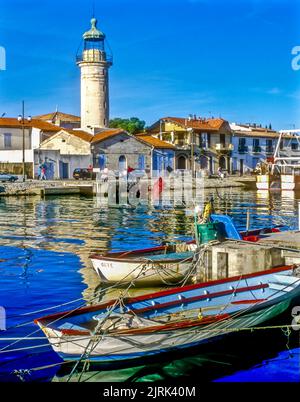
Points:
(179, 325)
(248, 301)
(167, 292)
(201, 297)
(74, 332)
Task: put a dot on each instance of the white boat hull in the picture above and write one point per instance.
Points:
(147, 272)
(104, 348)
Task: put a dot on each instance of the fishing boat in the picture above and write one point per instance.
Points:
(169, 264)
(128, 329)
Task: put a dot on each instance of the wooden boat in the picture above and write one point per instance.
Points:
(166, 264)
(183, 317)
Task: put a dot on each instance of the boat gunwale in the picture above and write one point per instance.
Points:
(164, 327)
(128, 300)
(141, 260)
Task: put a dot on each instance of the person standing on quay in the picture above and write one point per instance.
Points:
(43, 173)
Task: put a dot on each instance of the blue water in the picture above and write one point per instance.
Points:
(44, 249)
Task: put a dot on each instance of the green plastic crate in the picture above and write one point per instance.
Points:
(207, 232)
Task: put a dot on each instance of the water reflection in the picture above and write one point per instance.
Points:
(45, 245)
(77, 224)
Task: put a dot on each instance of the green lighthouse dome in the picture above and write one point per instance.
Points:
(94, 33)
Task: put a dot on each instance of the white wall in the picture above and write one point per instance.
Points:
(53, 156)
(16, 156)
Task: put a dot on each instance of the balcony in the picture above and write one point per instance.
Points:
(224, 147)
(181, 144)
(243, 149)
(256, 149)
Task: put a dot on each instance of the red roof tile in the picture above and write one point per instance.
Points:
(42, 125)
(200, 124)
(59, 116)
(155, 142)
(80, 134)
(103, 135)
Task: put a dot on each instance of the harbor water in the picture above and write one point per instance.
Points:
(44, 267)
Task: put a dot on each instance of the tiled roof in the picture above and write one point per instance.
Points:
(80, 134)
(198, 124)
(88, 137)
(59, 116)
(103, 135)
(155, 142)
(261, 134)
(36, 123)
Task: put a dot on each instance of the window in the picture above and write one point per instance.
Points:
(242, 142)
(204, 141)
(222, 139)
(141, 162)
(269, 146)
(294, 145)
(102, 161)
(242, 145)
(256, 147)
(208, 140)
(7, 140)
(122, 163)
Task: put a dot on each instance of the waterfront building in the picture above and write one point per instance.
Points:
(251, 145)
(94, 63)
(60, 119)
(290, 142)
(11, 143)
(200, 143)
(114, 149)
(63, 152)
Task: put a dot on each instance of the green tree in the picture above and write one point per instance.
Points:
(133, 125)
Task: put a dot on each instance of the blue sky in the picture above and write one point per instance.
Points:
(225, 58)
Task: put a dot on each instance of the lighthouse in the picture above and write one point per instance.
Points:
(94, 64)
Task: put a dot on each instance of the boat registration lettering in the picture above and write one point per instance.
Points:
(106, 264)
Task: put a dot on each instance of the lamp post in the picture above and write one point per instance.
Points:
(21, 119)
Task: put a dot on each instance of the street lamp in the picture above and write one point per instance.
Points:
(21, 119)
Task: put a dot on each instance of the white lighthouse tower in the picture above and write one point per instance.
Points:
(94, 64)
